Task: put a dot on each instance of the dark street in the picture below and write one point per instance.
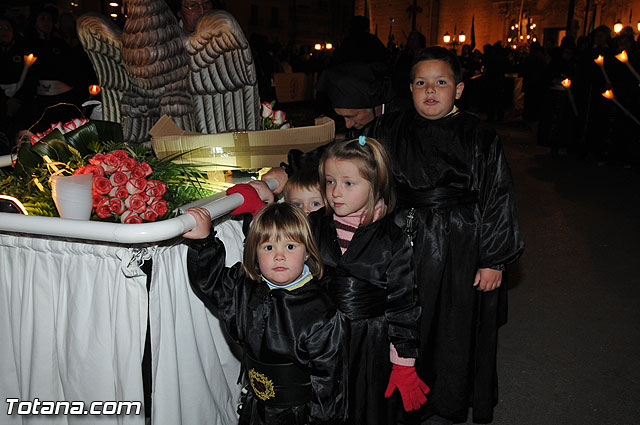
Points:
(570, 350)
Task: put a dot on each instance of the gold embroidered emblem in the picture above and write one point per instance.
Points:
(262, 386)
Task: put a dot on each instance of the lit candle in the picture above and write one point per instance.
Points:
(566, 83)
(29, 59)
(622, 57)
(94, 89)
(608, 94)
(600, 61)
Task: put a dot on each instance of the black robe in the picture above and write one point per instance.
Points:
(454, 173)
(373, 283)
(301, 326)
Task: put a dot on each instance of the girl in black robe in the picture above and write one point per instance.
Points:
(369, 263)
(292, 336)
(454, 184)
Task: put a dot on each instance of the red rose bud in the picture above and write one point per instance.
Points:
(129, 217)
(80, 170)
(150, 215)
(136, 185)
(138, 172)
(102, 185)
(147, 168)
(118, 178)
(279, 118)
(120, 154)
(96, 200)
(97, 159)
(96, 170)
(102, 209)
(159, 207)
(116, 205)
(73, 124)
(128, 164)
(156, 188)
(111, 163)
(119, 192)
(136, 203)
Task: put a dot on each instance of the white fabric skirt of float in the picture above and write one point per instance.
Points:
(73, 318)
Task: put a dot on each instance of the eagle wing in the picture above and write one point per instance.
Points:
(102, 40)
(222, 75)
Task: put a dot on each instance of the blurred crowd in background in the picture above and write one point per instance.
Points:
(501, 82)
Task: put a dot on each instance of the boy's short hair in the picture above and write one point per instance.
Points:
(303, 179)
(441, 54)
(280, 220)
(375, 167)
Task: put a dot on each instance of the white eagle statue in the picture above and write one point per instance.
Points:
(205, 81)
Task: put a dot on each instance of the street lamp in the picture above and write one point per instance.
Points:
(455, 40)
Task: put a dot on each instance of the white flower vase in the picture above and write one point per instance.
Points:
(73, 196)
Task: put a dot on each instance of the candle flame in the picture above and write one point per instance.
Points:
(29, 59)
(566, 83)
(622, 56)
(599, 60)
(608, 94)
(94, 89)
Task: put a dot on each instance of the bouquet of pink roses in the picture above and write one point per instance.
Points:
(121, 188)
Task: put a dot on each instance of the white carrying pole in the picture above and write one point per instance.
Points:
(116, 232)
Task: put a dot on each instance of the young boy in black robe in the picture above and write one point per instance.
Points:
(453, 180)
(275, 307)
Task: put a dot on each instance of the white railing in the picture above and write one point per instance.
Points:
(116, 232)
(5, 160)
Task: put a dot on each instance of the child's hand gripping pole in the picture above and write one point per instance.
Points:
(255, 195)
(412, 389)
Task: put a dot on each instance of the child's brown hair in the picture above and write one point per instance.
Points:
(301, 180)
(278, 221)
(374, 166)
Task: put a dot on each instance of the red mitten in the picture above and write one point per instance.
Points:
(252, 202)
(412, 389)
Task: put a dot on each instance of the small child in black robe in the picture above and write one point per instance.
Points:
(369, 263)
(275, 307)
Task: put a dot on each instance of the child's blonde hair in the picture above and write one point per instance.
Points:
(276, 222)
(374, 166)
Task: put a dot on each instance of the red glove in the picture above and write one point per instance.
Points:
(252, 202)
(412, 389)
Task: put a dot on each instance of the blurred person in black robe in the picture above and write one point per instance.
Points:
(359, 92)
(16, 99)
(291, 334)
